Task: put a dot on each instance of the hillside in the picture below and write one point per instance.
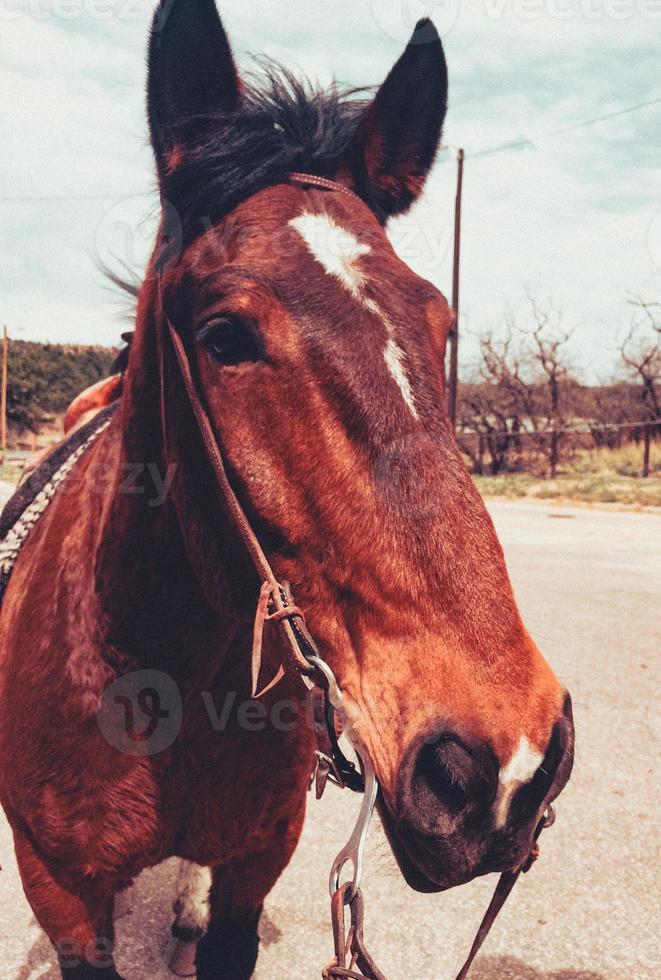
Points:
(44, 378)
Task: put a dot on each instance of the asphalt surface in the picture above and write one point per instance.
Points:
(587, 583)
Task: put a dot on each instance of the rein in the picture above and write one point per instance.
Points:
(276, 605)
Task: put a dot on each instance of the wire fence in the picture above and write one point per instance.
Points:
(584, 428)
(625, 447)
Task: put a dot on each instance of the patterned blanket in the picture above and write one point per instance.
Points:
(25, 507)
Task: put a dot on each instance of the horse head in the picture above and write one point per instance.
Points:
(319, 354)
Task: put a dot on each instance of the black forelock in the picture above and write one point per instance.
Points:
(283, 124)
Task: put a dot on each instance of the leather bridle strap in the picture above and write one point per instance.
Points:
(323, 183)
(284, 611)
(276, 603)
(506, 883)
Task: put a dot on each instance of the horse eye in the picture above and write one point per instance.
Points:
(231, 340)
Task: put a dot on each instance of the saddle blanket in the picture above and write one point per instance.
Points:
(28, 503)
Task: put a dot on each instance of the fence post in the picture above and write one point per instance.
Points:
(647, 439)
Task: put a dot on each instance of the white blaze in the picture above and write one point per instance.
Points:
(394, 358)
(520, 769)
(338, 251)
(334, 247)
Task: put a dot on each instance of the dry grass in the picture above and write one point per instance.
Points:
(626, 461)
(10, 473)
(600, 476)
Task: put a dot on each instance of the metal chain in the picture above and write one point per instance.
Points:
(350, 952)
(353, 851)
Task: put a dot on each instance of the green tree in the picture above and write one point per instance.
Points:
(44, 378)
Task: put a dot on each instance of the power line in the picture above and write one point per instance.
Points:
(488, 151)
(528, 141)
(41, 198)
(586, 429)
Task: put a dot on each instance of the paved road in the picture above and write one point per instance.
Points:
(587, 583)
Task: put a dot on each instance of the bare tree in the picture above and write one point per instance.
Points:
(641, 354)
(519, 389)
(486, 428)
(531, 363)
(550, 365)
(488, 408)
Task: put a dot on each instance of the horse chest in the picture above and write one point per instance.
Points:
(238, 779)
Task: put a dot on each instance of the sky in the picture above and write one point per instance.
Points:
(575, 217)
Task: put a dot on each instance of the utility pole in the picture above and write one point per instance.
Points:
(3, 391)
(454, 333)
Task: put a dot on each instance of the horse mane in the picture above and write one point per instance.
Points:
(128, 282)
(283, 123)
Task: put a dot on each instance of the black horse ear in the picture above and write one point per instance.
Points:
(396, 142)
(191, 75)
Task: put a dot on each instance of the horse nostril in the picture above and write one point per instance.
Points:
(448, 773)
(441, 769)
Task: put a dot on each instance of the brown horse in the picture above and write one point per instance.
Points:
(320, 358)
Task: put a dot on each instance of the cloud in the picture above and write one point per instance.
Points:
(570, 215)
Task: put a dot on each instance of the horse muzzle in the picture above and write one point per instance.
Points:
(449, 821)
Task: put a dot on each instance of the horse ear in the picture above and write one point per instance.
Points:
(396, 142)
(191, 74)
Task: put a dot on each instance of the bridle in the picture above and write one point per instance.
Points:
(301, 657)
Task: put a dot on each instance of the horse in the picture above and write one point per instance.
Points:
(318, 355)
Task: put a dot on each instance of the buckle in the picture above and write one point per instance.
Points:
(325, 769)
